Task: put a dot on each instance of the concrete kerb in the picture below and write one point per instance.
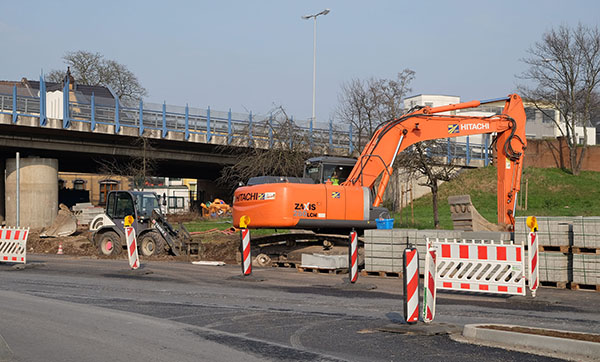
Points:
(567, 348)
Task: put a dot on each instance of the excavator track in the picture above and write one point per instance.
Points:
(285, 250)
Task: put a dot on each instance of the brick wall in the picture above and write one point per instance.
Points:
(545, 154)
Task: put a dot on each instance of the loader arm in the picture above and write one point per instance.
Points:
(427, 123)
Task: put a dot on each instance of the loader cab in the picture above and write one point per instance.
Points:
(140, 205)
(334, 169)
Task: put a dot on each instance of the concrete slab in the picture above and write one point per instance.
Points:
(573, 348)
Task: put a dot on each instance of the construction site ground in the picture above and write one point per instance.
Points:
(215, 246)
(63, 307)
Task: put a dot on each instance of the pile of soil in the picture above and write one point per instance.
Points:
(76, 244)
(215, 246)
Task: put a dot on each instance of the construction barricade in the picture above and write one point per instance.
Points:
(411, 285)
(246, 253)
(13, 244)
(353, 257)
(480, 266)
(132, 252)
(429, 291)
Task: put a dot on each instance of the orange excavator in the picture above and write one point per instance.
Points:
(285, 203)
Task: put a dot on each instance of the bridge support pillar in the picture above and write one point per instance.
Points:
(38, 191)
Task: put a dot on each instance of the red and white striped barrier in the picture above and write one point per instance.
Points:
(429, 292)
(411, 285)
(13, 245)
(353, 257)
(534, 271)
(246, 254)
(479, 266)
(132, 252)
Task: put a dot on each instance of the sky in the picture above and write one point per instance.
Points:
(257, 55)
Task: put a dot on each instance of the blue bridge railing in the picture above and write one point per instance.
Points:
(233, 128)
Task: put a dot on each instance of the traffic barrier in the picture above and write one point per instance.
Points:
(411, 285)
(132, 252)
(479, 266)
(353, 257)
(13, 245)
(246, 253)
(532, 253)
(429, 292)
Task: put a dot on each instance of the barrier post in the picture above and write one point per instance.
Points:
(429, 292)
(411, 285)
(130, 237)
(353, 257)
(246, 253)
(532, 253)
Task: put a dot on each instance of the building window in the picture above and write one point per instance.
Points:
(176, 202)
(548, 116)
(105, 187)
(530, 114)
(61, 184)
(79, 184)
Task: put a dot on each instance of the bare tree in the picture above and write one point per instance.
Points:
(140, 168)
(93, 69)
(282, 154)
(365, 104)
(564, 69)
(422, 160)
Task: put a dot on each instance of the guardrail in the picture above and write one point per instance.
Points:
(234, 128)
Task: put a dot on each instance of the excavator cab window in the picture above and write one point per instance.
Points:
(320, 171)
(336, 174)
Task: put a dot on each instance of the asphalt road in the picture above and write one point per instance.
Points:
(66, 309)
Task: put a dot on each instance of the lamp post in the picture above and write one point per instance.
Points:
(306, 17)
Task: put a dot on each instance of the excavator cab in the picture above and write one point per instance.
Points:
(323, 169)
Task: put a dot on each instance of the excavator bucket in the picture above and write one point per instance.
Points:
(466, 217)
(64, 224)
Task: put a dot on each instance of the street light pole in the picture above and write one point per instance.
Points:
(314, 93)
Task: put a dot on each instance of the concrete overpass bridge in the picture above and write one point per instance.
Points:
(81, 130)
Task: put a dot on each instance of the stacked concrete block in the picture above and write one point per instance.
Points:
(586, 232)
(384, 249)
(320, 261)
(86, 212)
(554, 267)
(586, 269)
(552, 230)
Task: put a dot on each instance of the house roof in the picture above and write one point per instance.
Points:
(31, 88)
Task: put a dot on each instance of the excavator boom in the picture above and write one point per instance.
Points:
(349, 205)
(427, 123)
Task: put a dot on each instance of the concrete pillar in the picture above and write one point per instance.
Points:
(39, 191)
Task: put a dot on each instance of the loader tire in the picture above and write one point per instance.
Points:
(110, 244)
(152, 244)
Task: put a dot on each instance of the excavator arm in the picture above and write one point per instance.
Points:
(428, 123)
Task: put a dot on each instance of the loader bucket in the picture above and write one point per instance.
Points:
(64, 224)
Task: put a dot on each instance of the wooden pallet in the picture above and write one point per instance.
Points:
(580, 250)
(381, 274)
(553, 248)
(322, 271)
(592, 287)
(557, 285)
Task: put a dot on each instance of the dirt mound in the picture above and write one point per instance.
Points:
(215, 246)
(76, 244)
